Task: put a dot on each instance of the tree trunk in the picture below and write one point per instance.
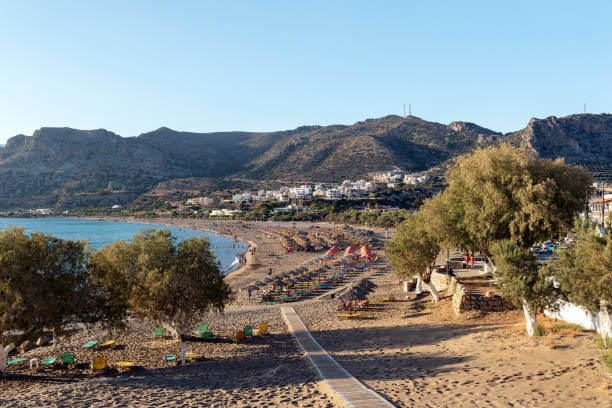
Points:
(406, 285)
(530, 317)
(183, 350)
(418, 289)
(433, 290)
(4, 356)
(605, 323)
(54, 340)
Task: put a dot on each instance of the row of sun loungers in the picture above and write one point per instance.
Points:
(100, 363)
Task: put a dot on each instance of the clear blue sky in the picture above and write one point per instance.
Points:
(133, 66)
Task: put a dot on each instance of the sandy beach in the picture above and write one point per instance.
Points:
(410, 351)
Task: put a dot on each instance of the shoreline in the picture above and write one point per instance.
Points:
(170, 222)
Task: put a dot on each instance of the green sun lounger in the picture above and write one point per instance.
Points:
(158, 332)
(49, 361)
(90, 344)
(203, 331)
(68, 358)
(16, 361)
(170, 358)
(248, 331)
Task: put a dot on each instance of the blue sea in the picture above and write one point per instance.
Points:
(101, 233)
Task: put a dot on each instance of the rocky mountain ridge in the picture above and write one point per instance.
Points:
(66, 167)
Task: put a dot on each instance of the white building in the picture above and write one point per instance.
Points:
(224, 212)
(300, 192)
(596, 207)
(416, 178)
(332, 193)
(201, 201)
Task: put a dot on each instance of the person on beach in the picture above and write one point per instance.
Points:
(472, 260)
(270, 271)
(466, 261)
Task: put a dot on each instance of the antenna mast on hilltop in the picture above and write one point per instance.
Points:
(404, 110)
(585, 107)
(409, 110)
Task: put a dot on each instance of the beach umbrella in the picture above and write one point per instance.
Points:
(366, 252)
(332, 251)
(350, 250)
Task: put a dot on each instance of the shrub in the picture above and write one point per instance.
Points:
(539, 330)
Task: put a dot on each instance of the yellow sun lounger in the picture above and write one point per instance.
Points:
(124, 365)
(263, 329)
(193, 356)
(99, 363)
(109, 344)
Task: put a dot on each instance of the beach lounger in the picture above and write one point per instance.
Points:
(124, 365)
(158, 332)
(49, 361)
(193, 356)
(108, 344)
(238, 337)
(263, 329)
(203, 331)
(68, 358)
(16, 361)
(248, 331)
(99, 363)
(170, 358)
(90, 344)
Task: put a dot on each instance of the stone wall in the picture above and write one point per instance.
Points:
(463, 300)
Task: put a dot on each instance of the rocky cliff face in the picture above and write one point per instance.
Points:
(584, 139)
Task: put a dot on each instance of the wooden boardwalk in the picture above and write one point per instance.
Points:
(340, 381)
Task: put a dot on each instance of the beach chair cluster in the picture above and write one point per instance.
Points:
(300, 289)
(68, 359)
(248, 332)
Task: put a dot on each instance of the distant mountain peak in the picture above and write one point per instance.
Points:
(469, 126)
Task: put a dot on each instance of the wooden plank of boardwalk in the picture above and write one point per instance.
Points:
(340, 381)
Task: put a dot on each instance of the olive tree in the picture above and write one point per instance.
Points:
(169, 283)
(584, 272)
(44, 284)
(412, 251)
(523, 282)
(506, 193)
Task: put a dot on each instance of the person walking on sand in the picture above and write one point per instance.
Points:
(472, 260)
(466, 261)
(270, 271)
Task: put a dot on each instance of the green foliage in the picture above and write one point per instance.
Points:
(519, 277)
(606, 358)
(506, 192)
(602, 343)
(584, 270)
(539, 331)
(43, 283)
(169, 283)
(413, 249)
(560, 326)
